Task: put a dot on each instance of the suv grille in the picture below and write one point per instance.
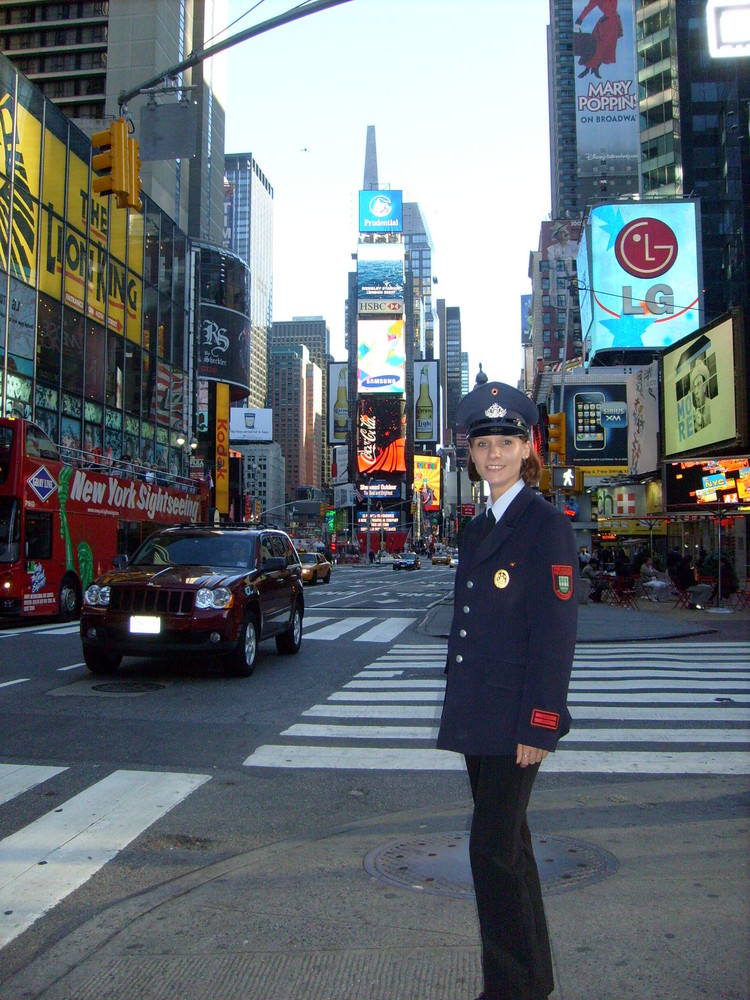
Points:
(139, 600)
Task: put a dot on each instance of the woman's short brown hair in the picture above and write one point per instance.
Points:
(531, 469)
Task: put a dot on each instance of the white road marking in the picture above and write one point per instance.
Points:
(45, 861)
(386, 631)
(337, 629)
(18, 778)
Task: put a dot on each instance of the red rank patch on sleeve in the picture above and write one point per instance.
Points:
(545, 720)
(562, 581)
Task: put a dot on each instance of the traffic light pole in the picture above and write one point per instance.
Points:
(202, 54)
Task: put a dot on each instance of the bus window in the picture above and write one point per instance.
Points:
(6, 443)
(10, 531)
(38, 535)
(38, 445)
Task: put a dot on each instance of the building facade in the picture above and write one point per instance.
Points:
(313, 332)
(84, 55)
(248, 232)
(449, 323)
(295, 421)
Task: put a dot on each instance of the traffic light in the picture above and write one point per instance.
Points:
(112, 162)
(556, 436)
(134, 177)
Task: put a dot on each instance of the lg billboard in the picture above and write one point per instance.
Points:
(639, 275)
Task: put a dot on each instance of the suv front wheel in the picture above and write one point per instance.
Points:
(290, 641)
(242, 661)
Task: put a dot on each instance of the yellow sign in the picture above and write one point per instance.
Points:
(222, 448)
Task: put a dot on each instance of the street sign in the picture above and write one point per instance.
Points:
(468, 509)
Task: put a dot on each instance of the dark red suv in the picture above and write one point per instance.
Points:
(197, 589)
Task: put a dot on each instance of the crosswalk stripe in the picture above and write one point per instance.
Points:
(48, 859)
(606, 762)
(15, 779)
(386, 631)
(315, 620)
(580, 735)
(19, 680)
(337, 629)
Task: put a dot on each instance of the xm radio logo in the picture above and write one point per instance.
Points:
(214, 340)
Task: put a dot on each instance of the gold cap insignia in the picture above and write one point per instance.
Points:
(502, 579)
(495, 411)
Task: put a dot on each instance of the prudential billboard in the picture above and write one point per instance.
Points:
(643, 284)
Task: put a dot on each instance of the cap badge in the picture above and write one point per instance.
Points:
(501, 579)
(495, 411)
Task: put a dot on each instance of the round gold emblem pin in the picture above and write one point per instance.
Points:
(502, 579)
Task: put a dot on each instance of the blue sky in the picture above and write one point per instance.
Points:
(457, 92)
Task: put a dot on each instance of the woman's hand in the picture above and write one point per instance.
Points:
(529, 755)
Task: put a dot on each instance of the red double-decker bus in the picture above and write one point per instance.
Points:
(64, 518)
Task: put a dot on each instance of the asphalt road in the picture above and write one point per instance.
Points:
(112, 790)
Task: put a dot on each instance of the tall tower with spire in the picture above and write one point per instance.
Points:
(370, 182)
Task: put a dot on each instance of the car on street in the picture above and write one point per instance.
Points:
(441, 558)
(454, 562)
(217, 590)
(315, 567)
(407, 561)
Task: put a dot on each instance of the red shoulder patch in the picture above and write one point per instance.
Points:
(562, 581)
(545, 720)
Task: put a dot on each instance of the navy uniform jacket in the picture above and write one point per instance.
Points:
(512, 640)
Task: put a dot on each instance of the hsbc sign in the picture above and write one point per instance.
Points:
(368, 307)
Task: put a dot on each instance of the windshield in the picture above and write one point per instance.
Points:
(307, 557)
(195, 550)
(10, 531)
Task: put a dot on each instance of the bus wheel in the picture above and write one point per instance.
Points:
(69, 600)
(100, 663)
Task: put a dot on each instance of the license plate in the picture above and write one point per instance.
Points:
(145, 624)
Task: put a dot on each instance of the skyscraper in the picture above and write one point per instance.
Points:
(314, 334)
(451, 376)
(84, 55)
(248, 232)
(297, 419)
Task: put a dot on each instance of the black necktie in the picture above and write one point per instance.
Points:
(489, 525)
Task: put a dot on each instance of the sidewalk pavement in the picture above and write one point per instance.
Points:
(660, 910)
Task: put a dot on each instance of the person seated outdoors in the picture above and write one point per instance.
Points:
(590, 572)
(656, 588)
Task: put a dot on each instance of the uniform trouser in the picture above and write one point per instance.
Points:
(516, 957)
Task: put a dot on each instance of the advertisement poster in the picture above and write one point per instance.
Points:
(699, 402)
(381, 356)
(247, 425)
(380, 211)
(596, 424)
(380, 271)
(643, 404)
(427, 480)
(644, 274)
(719, 482)
(224, 346)
(606, 88)
(338, 402)
(381, 434)
(426, 405)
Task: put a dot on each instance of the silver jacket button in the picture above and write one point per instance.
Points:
(466, 609)
(459, 659)
(469, 584)
(462, 633)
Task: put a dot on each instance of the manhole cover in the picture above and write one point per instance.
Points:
(439, 864)
(127, 687)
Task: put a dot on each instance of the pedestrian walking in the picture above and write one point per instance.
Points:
(510, 653)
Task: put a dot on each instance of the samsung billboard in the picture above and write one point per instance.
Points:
(381, 356)
(380, 212)
(640, 275)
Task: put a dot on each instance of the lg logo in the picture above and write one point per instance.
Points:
(646, 248)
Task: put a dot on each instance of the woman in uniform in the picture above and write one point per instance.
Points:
(510, 653)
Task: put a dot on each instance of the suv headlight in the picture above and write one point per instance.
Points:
(219, 598)
(97, 596)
